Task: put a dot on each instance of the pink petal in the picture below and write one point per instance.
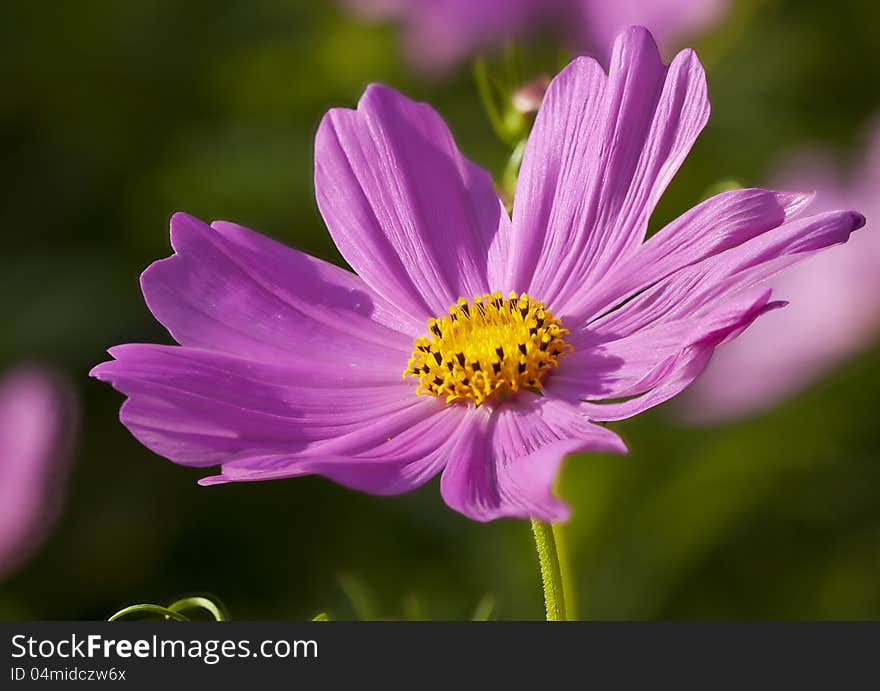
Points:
(601, 153)
(232, 290)
(652, 371)
(601, 368)
(200, 408)
(700, 287)
(724, 221)
(412, 216)
(399, 459)
(506, 459)
(674, 375)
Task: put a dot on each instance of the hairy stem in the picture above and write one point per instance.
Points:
(551, 569)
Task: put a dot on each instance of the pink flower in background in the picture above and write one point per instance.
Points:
(37, 418)
(438, 33)
(834, 311)
(468, 343)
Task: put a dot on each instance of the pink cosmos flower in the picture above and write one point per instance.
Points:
(467, 343)
(36, 424)
(835, 310)
(438, 33)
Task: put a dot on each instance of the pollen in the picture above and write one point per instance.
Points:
(487, 347)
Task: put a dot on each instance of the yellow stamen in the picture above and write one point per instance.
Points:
(487, 347)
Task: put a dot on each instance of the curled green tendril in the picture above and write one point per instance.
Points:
(164, 612)
(174, 611)
(215, 609)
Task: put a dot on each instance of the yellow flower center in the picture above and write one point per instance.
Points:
(487, 347)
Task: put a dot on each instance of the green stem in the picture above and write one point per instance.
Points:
(510, 174)
(551, 569)
(484, 89)
(508, 124)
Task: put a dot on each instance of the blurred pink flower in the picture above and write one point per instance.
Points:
(37, 413)
(834, 311)
(438, 33)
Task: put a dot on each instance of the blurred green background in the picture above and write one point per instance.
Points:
(114, 115)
